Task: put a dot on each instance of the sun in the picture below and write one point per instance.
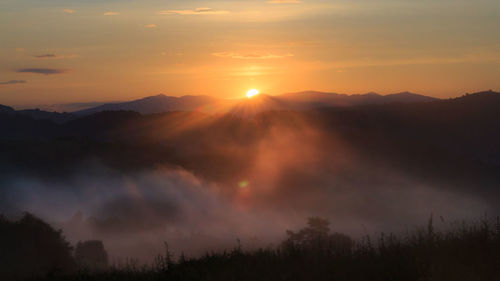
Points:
(252, 93)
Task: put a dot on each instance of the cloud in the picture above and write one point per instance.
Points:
(44, 71)
(111, 13)
(46, 56)
(151, 25)
(69, 11)
(428, 60)
(53, 56)
(284, 2)
(13, 82)
(251, 56)
(197, 11)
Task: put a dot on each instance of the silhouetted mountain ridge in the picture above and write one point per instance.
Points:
(462, 130)
(334, 99)
(290, 101)
(38, 114)
(308, 100)
(154, 104)
(6, 109)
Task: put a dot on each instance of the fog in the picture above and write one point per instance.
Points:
(135, 214)
(291, 175)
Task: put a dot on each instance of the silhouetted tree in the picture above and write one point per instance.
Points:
(30, 247)
(316, 238)
(91, 255)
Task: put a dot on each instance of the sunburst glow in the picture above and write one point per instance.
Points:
(252, 93)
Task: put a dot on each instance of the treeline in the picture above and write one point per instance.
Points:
(30, 249)
(464, 252)
(468, 252)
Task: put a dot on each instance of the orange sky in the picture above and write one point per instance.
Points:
(56, 51)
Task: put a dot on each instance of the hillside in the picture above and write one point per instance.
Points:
(154, 104)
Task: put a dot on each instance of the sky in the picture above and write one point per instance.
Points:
(63, 51)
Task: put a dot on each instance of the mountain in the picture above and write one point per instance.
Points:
(72, 107)
(6, 109)
(456, 139)
(480, 99)
(243, 107)
(407, 97)
(311, 99)
(249, 107)
(38, 114)
(154, 104)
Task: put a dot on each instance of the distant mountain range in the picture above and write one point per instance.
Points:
(290, 101)
(452, 140)
(154, 104)
(321, 99)
(243, 107)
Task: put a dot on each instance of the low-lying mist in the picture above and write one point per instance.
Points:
(288, 174)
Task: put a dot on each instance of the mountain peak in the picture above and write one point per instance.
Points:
(489, 92)
(160, 95)
(4, 108)
(408, 97)
(370, 94)
(479, 97)
(154, 104)
(405, 93)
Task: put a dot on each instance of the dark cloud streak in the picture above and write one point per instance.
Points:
(45, 56)
(11, 82)
(44, 71)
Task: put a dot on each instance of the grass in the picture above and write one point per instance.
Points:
(465, 252)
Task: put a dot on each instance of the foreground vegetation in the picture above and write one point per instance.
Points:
(462, 252)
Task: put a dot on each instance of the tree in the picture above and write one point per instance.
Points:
(91, 255)
(30, 247)
(316, 238)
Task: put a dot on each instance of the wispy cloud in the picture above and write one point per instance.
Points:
(251, 56)
(284, 1)
(111, 13)
(151, 25)
(54, 56)
(355, 63)
(13, 82)
(197, 11)
(69, 11)
(44, 71)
